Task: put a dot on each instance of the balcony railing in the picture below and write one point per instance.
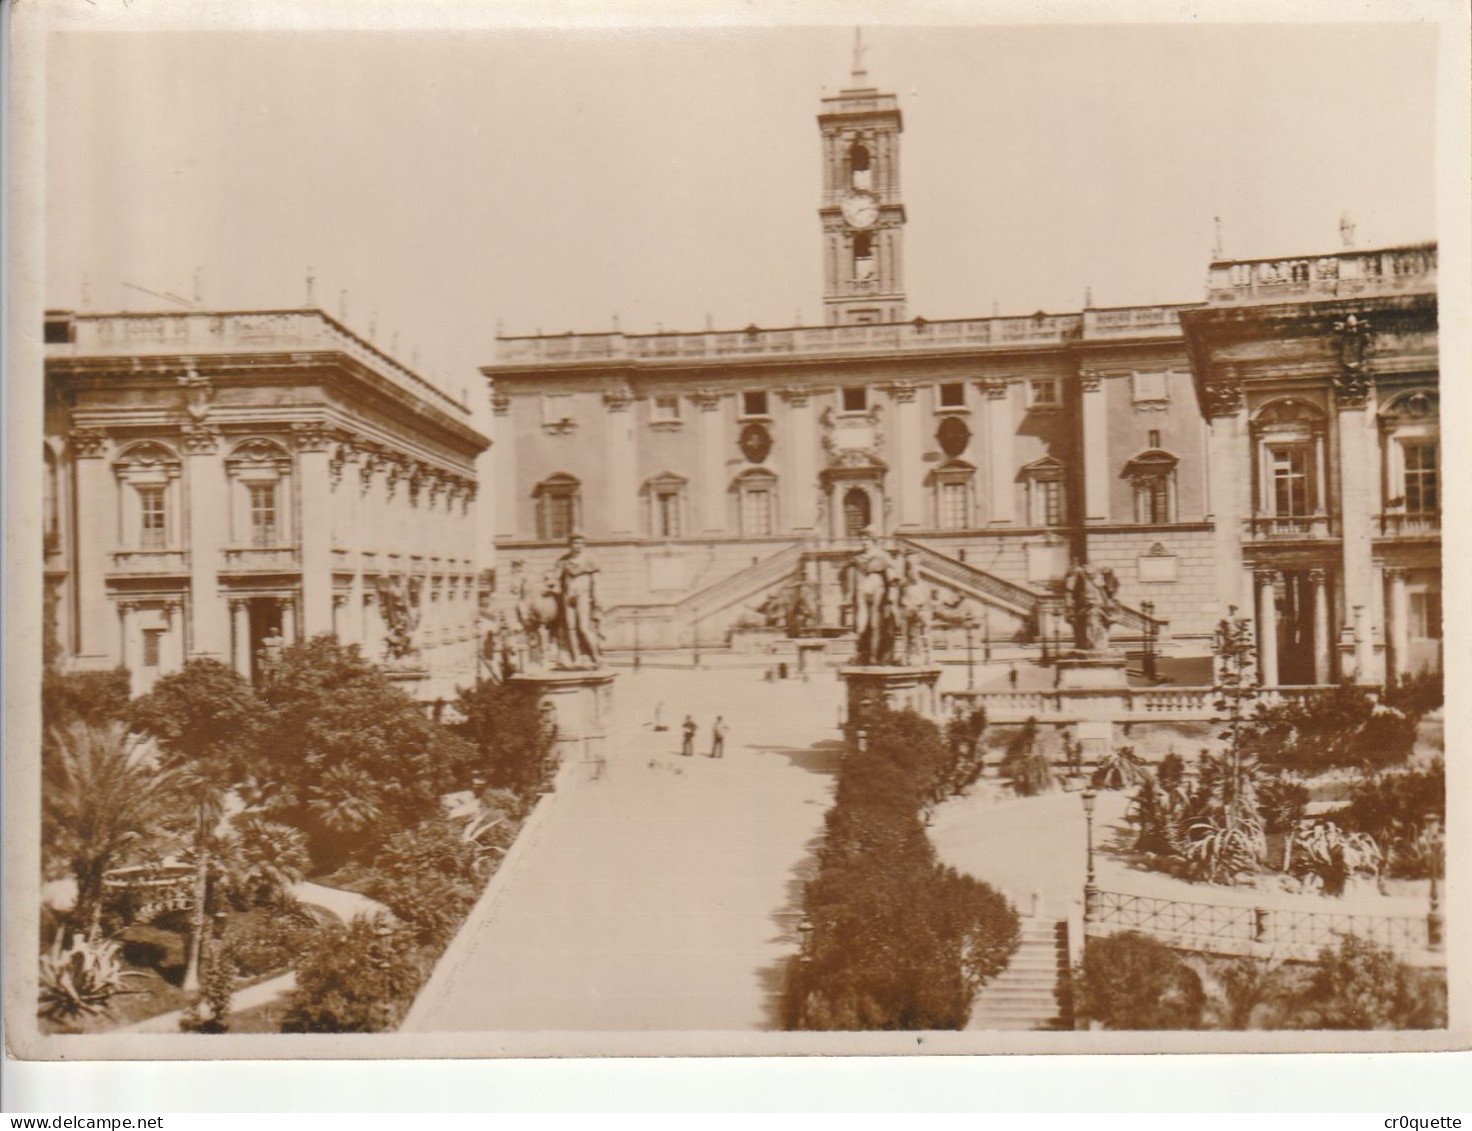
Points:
(271, 559)
(1402, 525)
(150, 563)
(1269, 526)
(1127, 704)
(1392, 270)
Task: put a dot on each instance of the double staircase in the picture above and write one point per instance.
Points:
(1026, 995)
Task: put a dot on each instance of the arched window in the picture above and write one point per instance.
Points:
(1288, 437)
(148, 483)
(1411, 433)
(953, 486)
(756, 503)
(559, 507)
(859, 174)
(1153, 473)
(1047, 499)
(863, 256)
(665, 499)
(259, 471)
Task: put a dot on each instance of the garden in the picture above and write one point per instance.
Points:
(193, 827)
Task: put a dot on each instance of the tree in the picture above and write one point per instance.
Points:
(346, 756)
(1131, 981)
(516, 752)
(1361, 985)
(361, 978)
(203, 717)
(104, 794)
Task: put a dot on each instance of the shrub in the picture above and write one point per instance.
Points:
(1392, 807)
(1346, 727)
(429, 877)
(514, 750)
(898, 942)
(1248, 984)
(1027, 769)
(1419, 694)
(1120, 769)
(361, 978)
(1131, 981)
(1360, 985)
(963, 738)
(1216, 851)
(1329, 857)
(80, 978)
(267, 943)
(210, 1009)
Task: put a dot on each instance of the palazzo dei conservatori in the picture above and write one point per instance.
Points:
(1273, 445)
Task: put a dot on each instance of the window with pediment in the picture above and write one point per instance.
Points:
(953, 484)
(259, 471)
(559, 507)
(1411, 429)
(665, 499)
(1153, 476)
(148, 476)
(1289, 445)
(755, 494)
(1047, 492)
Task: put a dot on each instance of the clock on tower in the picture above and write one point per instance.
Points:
(862, 217)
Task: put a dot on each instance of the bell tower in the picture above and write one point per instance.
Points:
(863, 219)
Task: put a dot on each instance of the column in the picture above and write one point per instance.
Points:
(1319, 580)
(315, 528)
(1267, 626)
(1364, 645)
(712, 462)
(1096, 446)
(1357, 506)
(620, 460)
(1229, 453)
(1002, 467)
(1398, 618)
(339, 615)
(372, 627)
(96, 525)
(349, 500)
(240, 616)
(128, 652)
(209, 513)
(288, 619)
(908, 464)
(802, 492)
(173, 636)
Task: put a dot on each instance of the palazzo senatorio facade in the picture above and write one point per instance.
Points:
(218, 484)
(1273, 447)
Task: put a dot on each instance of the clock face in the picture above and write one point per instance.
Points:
(860, 210)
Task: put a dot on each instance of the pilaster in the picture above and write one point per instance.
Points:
(619, 460)
(316, 529)
(712, 461)
(1002, 463)
(908, 463)
(1095, 417)
(96, 621)
(802, 493)
(208, 515)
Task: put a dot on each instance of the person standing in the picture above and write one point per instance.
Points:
(688, 747)
(718, 738)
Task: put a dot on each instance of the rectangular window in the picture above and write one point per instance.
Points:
(152, 638)
(666, 408)
(1154, 496)
(1425, 615)
(1422, 486)
(1044, 392)
(953, 507)
(754, 402)
(1151, 387)
(559, 516)
(953, 395)
(667, 514)
(1050, 496)
(1155, 437)
(263, 514)
(855, 398)
(153, 526)
(756, 512)
(1290, 482)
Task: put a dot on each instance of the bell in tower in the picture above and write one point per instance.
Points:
(862, 216)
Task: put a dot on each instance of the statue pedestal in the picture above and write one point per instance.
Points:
(810, 656)
(581, 704)
(1097, 690)
(897, 688)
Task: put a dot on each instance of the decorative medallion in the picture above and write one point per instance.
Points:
(953, 435)
(755, 443)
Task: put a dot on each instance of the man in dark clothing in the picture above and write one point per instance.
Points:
(718, 738)
(688, 748)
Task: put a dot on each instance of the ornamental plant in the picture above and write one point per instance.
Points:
(81, 978)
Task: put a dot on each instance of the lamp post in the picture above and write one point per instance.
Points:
(638, 658)
(695, 644)
(1435, 923)
(970, 655)
(986, 633)
(1090, 891)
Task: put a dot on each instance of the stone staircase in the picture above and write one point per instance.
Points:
(1024, 995)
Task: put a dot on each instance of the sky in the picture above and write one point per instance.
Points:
(526, 180)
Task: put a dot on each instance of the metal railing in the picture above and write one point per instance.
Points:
(1231, 928)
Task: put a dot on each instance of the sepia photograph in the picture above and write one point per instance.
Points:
(885, 532)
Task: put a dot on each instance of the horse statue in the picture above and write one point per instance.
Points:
(536, 612)
(912, 613)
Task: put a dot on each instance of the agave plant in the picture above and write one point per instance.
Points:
(1219, 849)
(1120, 769)
(80, 978)
(1327, 857)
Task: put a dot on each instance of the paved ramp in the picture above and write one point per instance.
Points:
(662, 896)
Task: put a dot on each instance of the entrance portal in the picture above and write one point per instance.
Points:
(856, 511)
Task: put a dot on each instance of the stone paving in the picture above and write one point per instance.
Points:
(664, 894)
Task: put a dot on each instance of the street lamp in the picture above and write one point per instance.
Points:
(1435, 922)
(1090, 891)
(986, 631)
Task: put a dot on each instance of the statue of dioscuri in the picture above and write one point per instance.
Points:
(873, 578)
(577, 629)
(1090, 605)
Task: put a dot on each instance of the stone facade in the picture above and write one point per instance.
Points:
(217, 481)
(711, 471)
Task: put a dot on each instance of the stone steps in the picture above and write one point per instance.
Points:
(1024, 995)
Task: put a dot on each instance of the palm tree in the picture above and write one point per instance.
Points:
(104, 794)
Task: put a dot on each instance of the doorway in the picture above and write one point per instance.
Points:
(857, 512)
